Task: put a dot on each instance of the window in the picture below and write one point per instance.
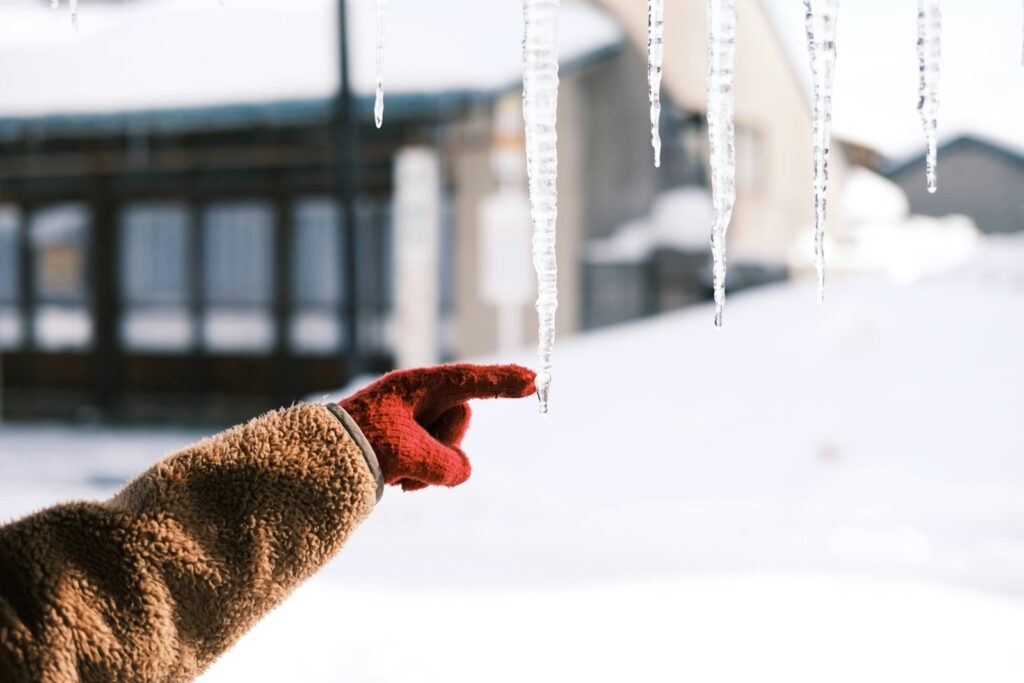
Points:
(375, 253)
(316, 277)
(59, 238)
(155, 277)
(316, 252)
(238, 276)
(10, 273)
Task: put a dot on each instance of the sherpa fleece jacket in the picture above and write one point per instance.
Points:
(155, 583)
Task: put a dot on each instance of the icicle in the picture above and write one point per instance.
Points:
(382, 21)
(54, 4)
(929, 54)
(655, 57)
(820, 20)
(540, 109)
(721, 60)
(74, 14)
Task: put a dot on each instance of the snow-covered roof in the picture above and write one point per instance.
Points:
(151, 55)
(1006, 145)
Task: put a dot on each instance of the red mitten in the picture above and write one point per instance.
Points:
(415, 419)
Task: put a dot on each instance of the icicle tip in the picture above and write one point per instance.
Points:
(542, 398)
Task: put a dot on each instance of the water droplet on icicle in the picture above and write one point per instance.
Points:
(655, 59)
(382, 22)
(820, 21)
(929, 56)
(540, 113)
(721, 16)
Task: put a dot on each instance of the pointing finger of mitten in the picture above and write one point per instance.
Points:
(445, 386)
(451, 427)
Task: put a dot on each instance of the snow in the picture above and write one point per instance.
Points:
(679, 219)
(707, 629)
(870, 197)
(854, 515)
(721, 18)
(265, 51)
(880, 236)
(540, 113)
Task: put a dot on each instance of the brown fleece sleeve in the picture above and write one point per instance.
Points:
(155, 583)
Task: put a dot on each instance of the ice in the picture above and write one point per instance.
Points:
(820, 19)
(54, 4)
(382, 23)
(74, 13)
(929, 55)
(540, 110)
(655, 57)
(721, 59)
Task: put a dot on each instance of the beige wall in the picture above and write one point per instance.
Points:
(469, 154)
(771, 99)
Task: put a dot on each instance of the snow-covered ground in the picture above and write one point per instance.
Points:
(810, 494)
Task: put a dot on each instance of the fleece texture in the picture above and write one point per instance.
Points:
(416, 419)
(155, 583)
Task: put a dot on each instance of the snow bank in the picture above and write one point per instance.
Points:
(797, 629)
(810, 494)
(679, 219)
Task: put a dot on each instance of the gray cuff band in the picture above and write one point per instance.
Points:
(357, 435)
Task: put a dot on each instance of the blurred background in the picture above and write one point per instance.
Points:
(199, 221)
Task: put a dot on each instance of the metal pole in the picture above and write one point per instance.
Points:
(347, 169)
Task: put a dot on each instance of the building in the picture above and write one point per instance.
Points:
(979, 176)
(773, 215)
(170, 234)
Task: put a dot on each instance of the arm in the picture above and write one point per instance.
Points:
(155, 583)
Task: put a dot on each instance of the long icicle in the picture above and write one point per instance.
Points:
(655, 59)
(540, 113)
(721, 128)
(929, 56)
(382, 23)
(820, 20)
(74, 14)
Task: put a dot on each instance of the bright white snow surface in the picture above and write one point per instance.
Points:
(811, 494)
(151, 54)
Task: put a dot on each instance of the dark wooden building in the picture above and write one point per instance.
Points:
(196, 268)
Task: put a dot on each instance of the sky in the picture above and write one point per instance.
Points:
(875, 90)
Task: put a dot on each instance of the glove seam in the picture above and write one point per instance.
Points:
(364, 445)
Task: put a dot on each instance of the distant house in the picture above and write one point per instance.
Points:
(170, 233)
(774, 200)
(979, 177)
